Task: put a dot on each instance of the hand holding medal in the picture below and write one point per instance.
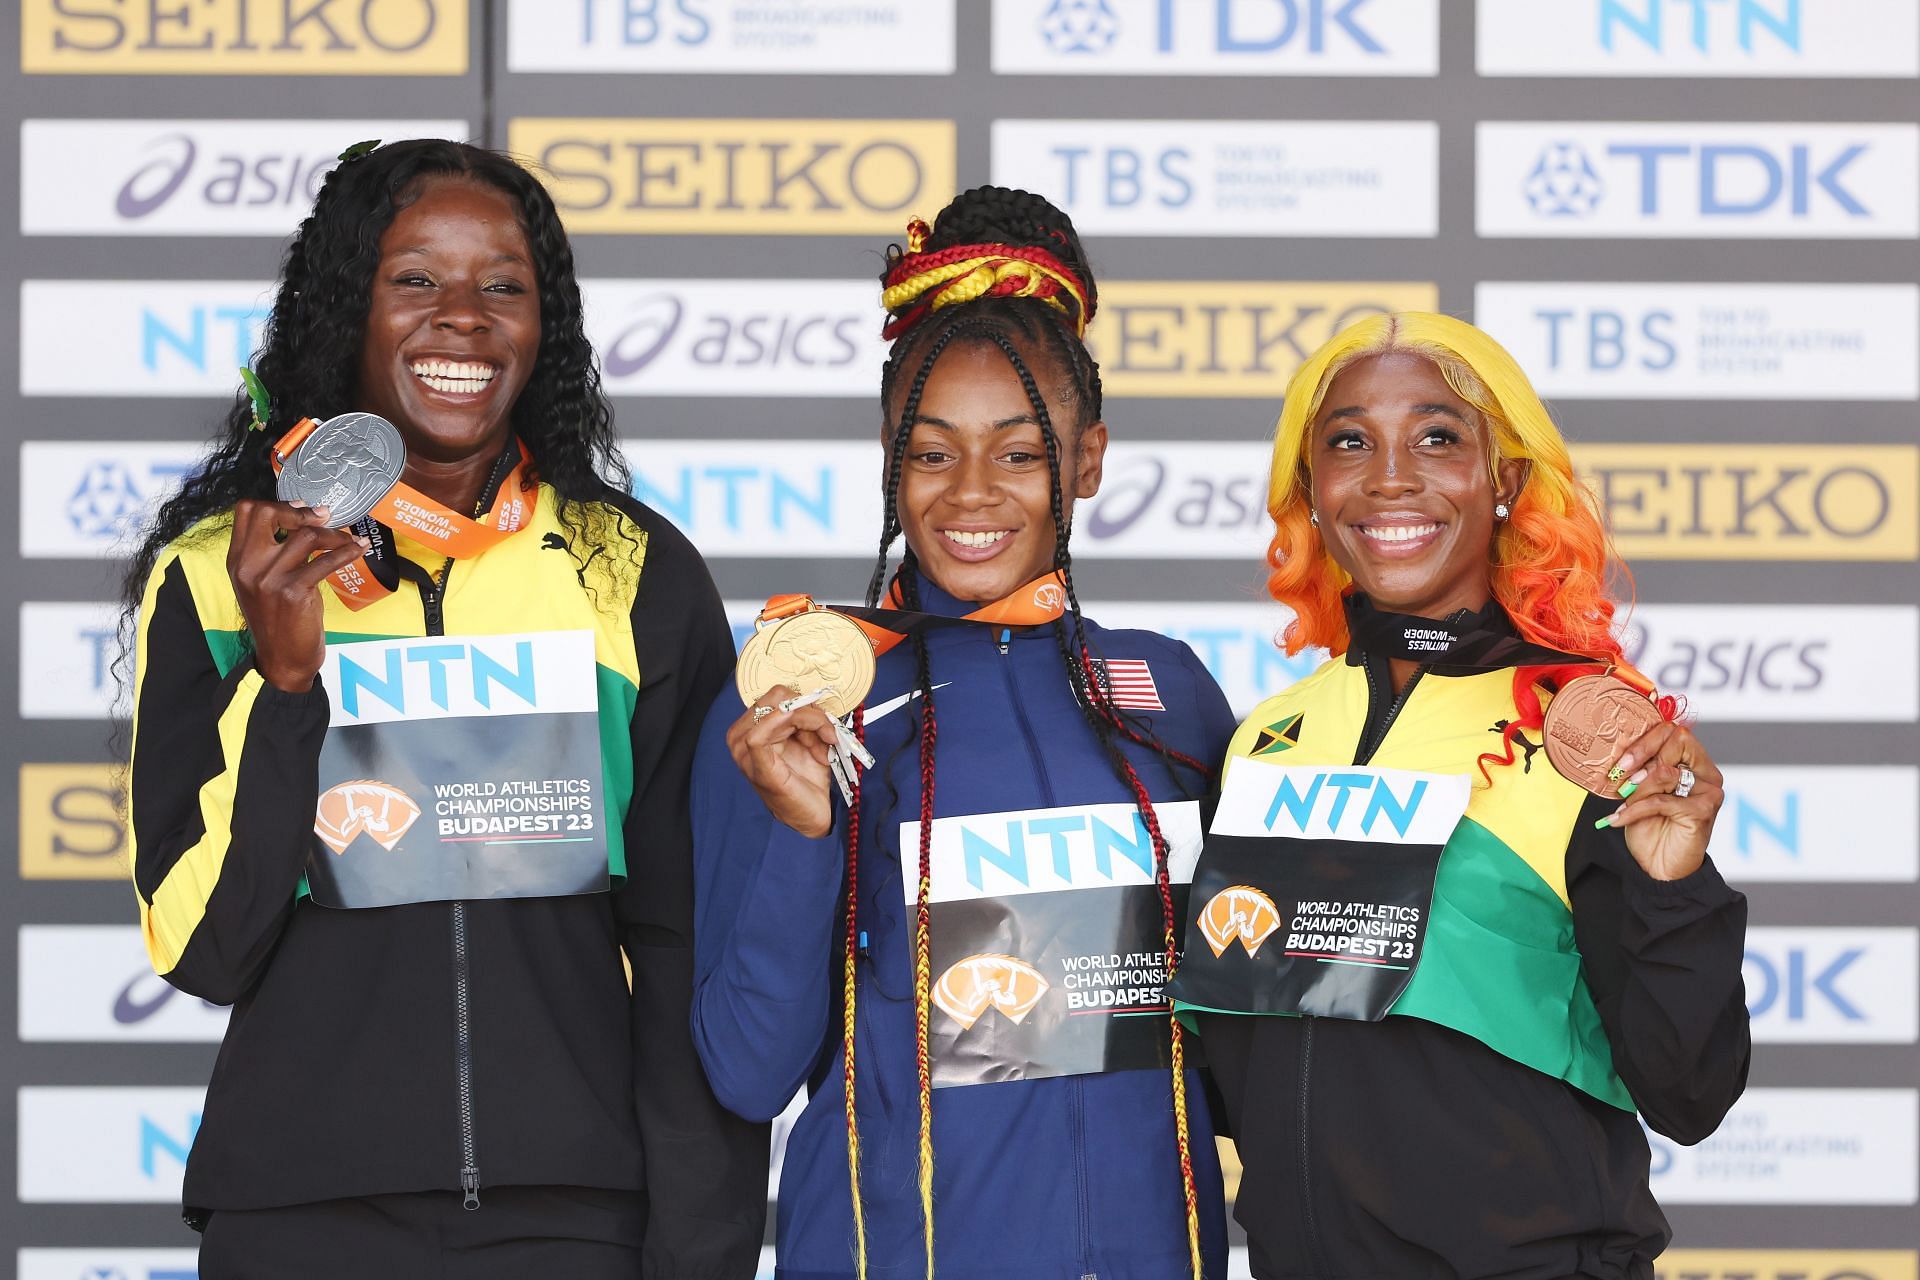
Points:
(802, 675)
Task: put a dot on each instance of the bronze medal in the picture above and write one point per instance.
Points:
(816, 649)
(1589, 724)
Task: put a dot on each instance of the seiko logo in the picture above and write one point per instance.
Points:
(66, 35)
(719, 176)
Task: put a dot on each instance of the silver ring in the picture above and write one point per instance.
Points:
(761, 713)
(1685, 788)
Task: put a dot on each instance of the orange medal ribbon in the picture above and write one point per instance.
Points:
(1038, 602)
(426, 520)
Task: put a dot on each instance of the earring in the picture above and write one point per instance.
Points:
(1313, 518)
(1500, 511)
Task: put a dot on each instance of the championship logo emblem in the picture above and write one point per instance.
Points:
(1239, 912)
(1049, 596)
(366, 807)
(969, 988)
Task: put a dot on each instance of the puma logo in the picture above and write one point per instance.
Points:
(1528, 747)
(552, 542)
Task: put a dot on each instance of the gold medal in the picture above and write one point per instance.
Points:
(1589, 723)
(813, 649)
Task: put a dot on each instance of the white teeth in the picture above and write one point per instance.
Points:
(453, 375)
(1398, 532)
(970, 538)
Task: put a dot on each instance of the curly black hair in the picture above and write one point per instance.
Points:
(310, 356)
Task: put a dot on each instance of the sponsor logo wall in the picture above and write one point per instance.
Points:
(1722, 306)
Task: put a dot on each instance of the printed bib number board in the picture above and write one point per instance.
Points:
(1048, 942)
(459, 767)
(1314, 892)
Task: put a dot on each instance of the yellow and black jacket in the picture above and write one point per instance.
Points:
(1484, 1127)
(436, 1045)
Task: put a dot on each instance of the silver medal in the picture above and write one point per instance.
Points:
(347, 465)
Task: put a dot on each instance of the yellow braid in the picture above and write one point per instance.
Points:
(981, 274)
(853, 1121)
(922, 984)
(1183, 1137)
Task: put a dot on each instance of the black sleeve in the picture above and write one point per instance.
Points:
(706, 1167)
(224, 779)
(1662, 959)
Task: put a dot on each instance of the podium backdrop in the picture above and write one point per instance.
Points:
(1693, 221)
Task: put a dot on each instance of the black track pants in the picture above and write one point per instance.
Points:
(578, 1233)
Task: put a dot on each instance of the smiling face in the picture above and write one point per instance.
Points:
(453, 321)
(1402, 486)
(975, 496)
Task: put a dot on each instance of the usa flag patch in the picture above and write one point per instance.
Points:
(1129, 683)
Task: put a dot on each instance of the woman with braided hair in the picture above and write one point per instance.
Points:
(964, 964)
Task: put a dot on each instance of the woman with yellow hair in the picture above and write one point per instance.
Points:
(1455, 924)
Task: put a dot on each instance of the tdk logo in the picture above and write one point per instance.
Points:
(1737, 180)
(111, 495)
(1705, 25)
(1080, 26)
(1791, 984)
(1831, 985)
(1245, 27)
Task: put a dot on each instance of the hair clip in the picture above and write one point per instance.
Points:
(256, 392)
(358, 149)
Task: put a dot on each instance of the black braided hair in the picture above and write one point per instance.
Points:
(1038, 341)
(310, 356)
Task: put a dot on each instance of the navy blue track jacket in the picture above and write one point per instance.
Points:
(1053, 1179)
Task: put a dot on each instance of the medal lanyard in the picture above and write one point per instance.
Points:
(1038, 602)
(1468, 644)
(373, 576)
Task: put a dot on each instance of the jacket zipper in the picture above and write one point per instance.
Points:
(1371, 739)
(433, 595)
(1076, 1101)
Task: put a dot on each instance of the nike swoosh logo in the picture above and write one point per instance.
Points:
(892, 705)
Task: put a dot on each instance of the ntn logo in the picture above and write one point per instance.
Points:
(1063, 839)
(514, 674)
(1704, 24)
(206, 336)
(1300, 802)
(172, 1140)
(738, 496)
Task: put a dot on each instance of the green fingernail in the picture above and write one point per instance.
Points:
(1603, 823)
(1628, 789)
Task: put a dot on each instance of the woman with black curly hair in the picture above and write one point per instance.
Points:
(963, 962)
(404, 799)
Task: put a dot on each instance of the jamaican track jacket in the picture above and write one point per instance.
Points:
(1047, 1179)
(1406, 1148)
(338, 1075)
